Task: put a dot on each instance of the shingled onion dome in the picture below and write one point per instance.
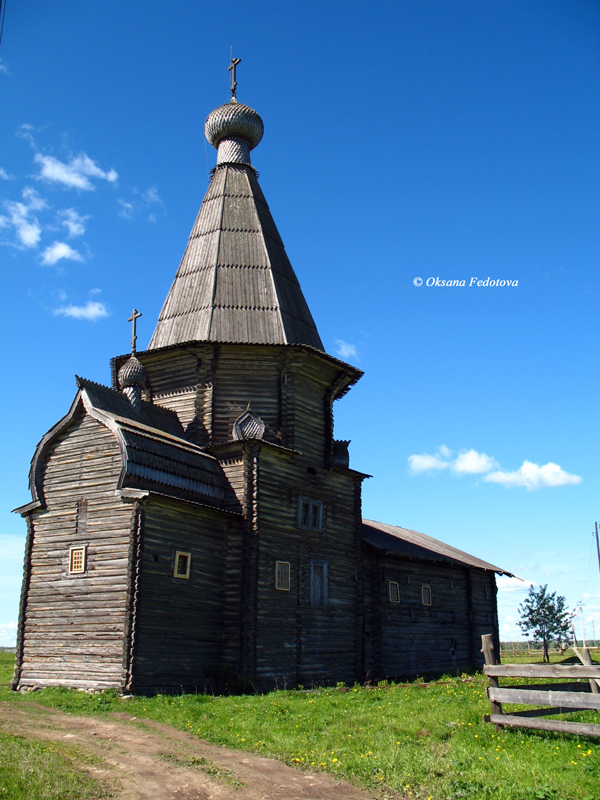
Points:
(132, 381)
(234, 129)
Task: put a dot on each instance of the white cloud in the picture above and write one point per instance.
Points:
(91, 311)
(345, 350)
(470, 462)
(75, 174)
(151, 196)
(8, 634)
(21, 218)
(141, 201)
(126, 209)
(4, 175)
(95, 291)
(426, 462)
(73, 222)
(58, 251)
(532, 476)
(506, 584)
(3, 67)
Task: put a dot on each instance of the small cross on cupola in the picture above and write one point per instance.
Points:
(135, 315)
(132, 376)
(231, 68)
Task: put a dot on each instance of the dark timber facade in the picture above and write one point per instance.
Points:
(197, 517)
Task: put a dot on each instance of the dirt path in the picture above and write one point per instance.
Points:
(145, 760)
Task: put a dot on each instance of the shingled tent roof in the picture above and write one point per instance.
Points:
(235, 282)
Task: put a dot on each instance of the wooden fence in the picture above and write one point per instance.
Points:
(558, 698)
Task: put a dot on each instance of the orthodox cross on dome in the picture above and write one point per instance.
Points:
(231, 68)
(135, 315)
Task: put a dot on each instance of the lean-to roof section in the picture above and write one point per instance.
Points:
(402, 541)
(235, 282)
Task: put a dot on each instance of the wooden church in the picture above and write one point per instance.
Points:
(197, 517)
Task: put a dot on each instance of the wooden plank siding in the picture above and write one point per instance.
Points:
(74, 624)
(298, 642)
(409, 638)
(181, 623)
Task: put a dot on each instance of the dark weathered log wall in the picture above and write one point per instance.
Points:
(173, 380)
(242, 376)
(409, 638)
(297, 642)
(181, 622)
(210, 385)
(74, 624)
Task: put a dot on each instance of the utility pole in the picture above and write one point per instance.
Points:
(598, 546)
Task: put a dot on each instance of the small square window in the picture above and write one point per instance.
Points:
(426, 595)
(282, 576)
(77, 560)
(394, 591)
(310, 514)
(182, 564)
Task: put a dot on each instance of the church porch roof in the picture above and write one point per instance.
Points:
(154, 454)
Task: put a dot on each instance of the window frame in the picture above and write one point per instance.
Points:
(75, 549)
(176, 573)
(395, 584)
(317, 562)
(426, 587)
(286, 586)
(311, 504)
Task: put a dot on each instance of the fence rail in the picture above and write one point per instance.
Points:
(560, 698)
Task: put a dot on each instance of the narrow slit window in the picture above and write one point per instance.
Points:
(182, 564)
(77, 560)
(282, 576)
(394, 591)
(318, 583)
(426, 595)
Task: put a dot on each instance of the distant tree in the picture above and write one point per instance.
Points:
(546, 617)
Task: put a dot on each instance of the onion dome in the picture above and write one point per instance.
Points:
(133, 374)
(234, 129)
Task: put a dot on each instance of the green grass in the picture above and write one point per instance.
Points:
(555, 658)
(31, 770)
(417, 740)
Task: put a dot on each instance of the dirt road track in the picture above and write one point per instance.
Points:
(145, 760)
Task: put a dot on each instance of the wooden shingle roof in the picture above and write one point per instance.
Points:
(235, 282)
(154, 454)
(402, 541)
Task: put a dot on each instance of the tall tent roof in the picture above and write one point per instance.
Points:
(235, 282)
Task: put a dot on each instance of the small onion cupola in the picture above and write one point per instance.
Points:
(132, 376)
(248, 426)
(234, 129)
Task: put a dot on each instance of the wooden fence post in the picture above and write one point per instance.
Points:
(487, 648)
(586, 658)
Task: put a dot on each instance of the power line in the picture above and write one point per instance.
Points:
(2, 12)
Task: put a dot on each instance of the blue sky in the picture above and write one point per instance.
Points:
(421, 139)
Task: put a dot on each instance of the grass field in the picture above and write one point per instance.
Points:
(422, 740)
